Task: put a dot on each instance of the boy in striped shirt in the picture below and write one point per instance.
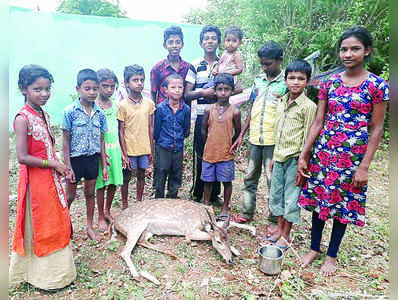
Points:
(294, 116)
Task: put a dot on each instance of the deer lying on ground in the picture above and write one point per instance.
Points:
(141, 220)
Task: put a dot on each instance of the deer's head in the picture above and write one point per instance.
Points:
(219, 237)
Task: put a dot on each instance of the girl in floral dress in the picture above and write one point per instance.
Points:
(350, 103)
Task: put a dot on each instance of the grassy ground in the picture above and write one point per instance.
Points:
(200, 273)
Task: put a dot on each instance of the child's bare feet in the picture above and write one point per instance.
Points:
(102, 225)
(93, 235)
(108, 217)
(271, 229)
(275, 236)
(308, 258)
(328, 267)
(283, 242)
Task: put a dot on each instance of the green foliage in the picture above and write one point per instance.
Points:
(91, 7)
(301, 27)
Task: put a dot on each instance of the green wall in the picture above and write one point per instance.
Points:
(65, 43)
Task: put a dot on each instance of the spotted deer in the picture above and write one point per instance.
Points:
(195, 221)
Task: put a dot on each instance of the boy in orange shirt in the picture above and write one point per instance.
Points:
(220, 128)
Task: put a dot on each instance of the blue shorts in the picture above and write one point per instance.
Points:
(142, 161)
(223, 171)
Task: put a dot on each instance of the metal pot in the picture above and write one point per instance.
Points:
(270, 260)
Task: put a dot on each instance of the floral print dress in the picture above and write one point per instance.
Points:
(339, 149)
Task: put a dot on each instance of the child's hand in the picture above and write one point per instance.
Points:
(126, 163)
(59, 167)
(236, 145)
(302, 168)
(300, 180)
(271, 166)
(70, 176)
(208, 93)
(107, 159)
(105, 175)
(150, 158)
(360, 178)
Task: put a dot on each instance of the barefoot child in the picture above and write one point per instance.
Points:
(135, 118)
(83, 129)
(350, 103)
(220, 128)
(231, 61)
(41, 251)
(294, 116)
(172, 124)
(107, 82)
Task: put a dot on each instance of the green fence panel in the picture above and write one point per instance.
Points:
(65, 43)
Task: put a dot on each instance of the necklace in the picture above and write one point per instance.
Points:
(39, 111)
(104, 105)
(136, 102)
(221, 110)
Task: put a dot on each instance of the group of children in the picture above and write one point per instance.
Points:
(105, 140)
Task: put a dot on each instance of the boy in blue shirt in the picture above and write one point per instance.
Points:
(172, 125)
(83, 129)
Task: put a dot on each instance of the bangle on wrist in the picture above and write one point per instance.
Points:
(44, 163)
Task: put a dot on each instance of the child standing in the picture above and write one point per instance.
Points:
(172, 124)
(267, 90)
(107, 82)
(231, 61)
(220, 128)
(135, 116)
(350, 103)
(173, 42)
(83, 129)
(294, 116)
(41, 251)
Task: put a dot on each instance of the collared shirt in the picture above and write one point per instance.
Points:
(163, 69)
(292, 125)
(136, 125)
(265, 96)
(203, 74)
(171, 128)
(85, 131)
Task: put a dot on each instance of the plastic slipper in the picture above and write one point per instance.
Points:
(269, 239)
(222, 217)
(240, 219)
(283, 248)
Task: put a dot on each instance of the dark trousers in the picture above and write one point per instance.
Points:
(169, 163)
(198, 146)
(338, 231)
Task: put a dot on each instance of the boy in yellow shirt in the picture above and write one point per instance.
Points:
(135, 117)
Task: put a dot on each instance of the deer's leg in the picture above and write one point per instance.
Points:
(198, 235)
(143, 241)
(251, 228)
(132, 239)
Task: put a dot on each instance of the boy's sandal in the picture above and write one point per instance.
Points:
(269, 240)
(222, 217)
(283, 248)
(240, 219)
